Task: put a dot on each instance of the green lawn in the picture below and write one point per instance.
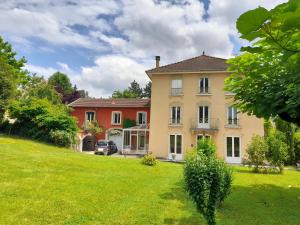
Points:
(41, 184)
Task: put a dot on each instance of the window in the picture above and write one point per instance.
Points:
(233, 146)
(116, 118)
(200, 137)
(175, 144)
(90, 116)
(203, 117)
(232, 116)
(175, 114)
(176, 87)
(141, 118)
(203, 85)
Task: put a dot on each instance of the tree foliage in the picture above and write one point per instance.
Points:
(134, 91)
(39, 88)
(61, 83)
(40, 119)
(11, 75)
(266, 77)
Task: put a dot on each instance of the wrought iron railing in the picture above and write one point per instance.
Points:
(205, 123)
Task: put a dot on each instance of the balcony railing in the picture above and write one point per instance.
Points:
(205, 124)
(204, 91)
(235, 122)
(175, 121)
(176, 91)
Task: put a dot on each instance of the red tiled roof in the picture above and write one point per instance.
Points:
(102, 102)
(196, 64)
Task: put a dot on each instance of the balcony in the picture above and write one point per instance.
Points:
(204, 91)
(175, 122)
(176, 91)
(208, 124)
(233, 123)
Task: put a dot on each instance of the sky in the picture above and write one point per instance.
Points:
(103, 45)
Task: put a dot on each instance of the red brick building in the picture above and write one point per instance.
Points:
(111, 115)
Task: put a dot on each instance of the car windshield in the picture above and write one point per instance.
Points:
(102, 143)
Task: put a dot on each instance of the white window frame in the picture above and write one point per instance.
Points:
(86, 115)
(204, 83)
(233, 159)
(137, 117)
(204, 124)
(113, 117)
(175, 149)
(176, 114)
(232, 114)
(176, 86)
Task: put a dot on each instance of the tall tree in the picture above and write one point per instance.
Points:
(147, 90)
(61, 83)
(11, 75)
(135, 88)
(124, 94)
(266, 77)
(39, 88)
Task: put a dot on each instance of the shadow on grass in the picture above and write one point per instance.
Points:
(178, 193)
(261, 204)
(258, 204)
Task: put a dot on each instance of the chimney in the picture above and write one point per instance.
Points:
(157, 59)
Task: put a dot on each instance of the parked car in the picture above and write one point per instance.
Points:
(104, 147)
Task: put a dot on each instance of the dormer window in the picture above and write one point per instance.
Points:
(204, 85)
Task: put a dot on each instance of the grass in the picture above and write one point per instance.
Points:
(42, 184)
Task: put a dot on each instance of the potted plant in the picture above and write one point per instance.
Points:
(173, 155)
(298, 165)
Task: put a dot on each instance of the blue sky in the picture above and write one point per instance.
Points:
(103, 45)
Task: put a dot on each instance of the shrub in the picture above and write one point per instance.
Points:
(128, 123)
(40, 119)
(256, 152)
(277, 149)
(149, 160)
(297, 146)
(60, 138)
(208, 182)
(206, 146)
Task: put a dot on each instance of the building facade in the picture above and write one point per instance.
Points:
(188, 103)
(111, 114)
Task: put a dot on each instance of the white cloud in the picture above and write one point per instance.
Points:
(112, 72)
(126, 34)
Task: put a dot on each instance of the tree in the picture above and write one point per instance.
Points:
(266, 77)
(136, 89)
(39, 88)
(124, 94)
(61, 83)
(147, 90)
(11, 75)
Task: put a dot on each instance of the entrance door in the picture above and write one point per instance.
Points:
(233, 150)
(203, 118)
(201, 136)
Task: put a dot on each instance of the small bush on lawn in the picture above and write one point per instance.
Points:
(149, 160)
(207, 180)
(206, 147)
(256, 152)
(60, 138)
(277, 152)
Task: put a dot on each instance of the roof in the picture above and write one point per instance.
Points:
(102, 102)
(196, 64)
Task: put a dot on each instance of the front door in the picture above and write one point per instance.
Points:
(203, 118)
(233, 150)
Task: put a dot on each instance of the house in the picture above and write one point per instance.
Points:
(188, 103)
(111, 115)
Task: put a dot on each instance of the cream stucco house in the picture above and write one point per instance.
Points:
(188, 102)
